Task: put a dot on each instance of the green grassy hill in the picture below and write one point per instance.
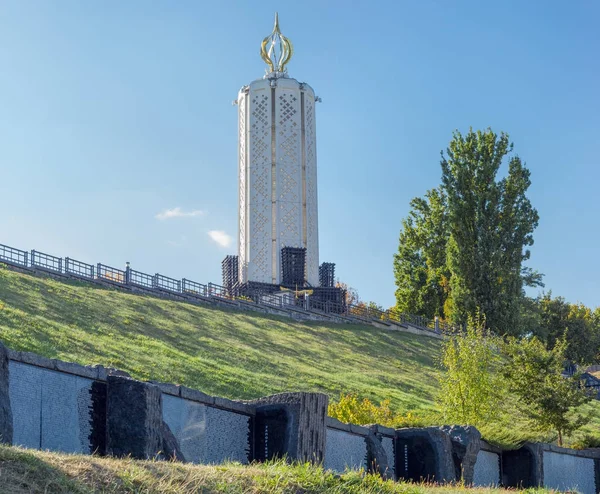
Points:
(239, 355)
(223, 352)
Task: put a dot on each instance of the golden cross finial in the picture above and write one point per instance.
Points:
(279, 51)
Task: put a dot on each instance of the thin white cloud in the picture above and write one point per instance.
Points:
(220, 237)
(167, 214)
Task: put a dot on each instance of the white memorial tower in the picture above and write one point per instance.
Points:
(277, 169)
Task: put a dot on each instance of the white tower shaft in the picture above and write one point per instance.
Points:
(277, 177)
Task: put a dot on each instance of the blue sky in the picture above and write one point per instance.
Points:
(114, 112)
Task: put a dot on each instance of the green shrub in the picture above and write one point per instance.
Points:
(352, 409)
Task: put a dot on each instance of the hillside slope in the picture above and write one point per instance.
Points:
(223, 352)
(38, 472)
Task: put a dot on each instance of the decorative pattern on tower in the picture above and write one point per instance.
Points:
(277, 169)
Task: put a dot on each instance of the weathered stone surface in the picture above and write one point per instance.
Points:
(170, 446)
(234, 406)
(377, 461)
(424, 454)
(6, 420)
(381, 429)
(168, 388)
(336, 424)
(291, 424)
(134, 418)
(32, 359)
(359, 429)
(104, 372)
(466, 442)
(195, 395)
(75, 369)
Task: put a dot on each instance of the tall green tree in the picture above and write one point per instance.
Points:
(491, 225)
(463, 246)
(534, 375)
(422, 278)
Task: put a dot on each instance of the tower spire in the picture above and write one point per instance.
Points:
(276, 50)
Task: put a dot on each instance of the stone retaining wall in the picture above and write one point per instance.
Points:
(60, 406)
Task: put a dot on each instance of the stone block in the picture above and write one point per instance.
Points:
(6, 419)
(424, 454)
(134, 418)
(380, 429)
(466, 442)
(168, 388)
(336, 424)
(104, 372)
(195, 395)
(76, 369)
(235, 406)
(359, 429)
(291, 425)
(377, 460)
(33, 359)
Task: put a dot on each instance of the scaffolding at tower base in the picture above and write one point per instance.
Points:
(293, 267)
(327, 274)
(230, 273)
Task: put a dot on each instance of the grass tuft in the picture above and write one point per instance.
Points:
(36, 472)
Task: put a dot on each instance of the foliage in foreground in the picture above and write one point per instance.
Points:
(534, 375)
(351, 409)
(471, 389)
(490, 383)
(36, 472)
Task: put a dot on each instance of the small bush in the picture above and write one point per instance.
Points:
(352, 409)
(587, 441)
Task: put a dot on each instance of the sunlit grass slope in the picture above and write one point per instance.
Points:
(223, 352)
(37, 472)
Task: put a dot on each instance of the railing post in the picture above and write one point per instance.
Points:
(127, 273)
(32, 257)
(60, 265)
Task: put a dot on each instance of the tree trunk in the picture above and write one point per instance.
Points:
(560, 443)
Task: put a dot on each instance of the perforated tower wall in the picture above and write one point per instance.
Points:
(277, 178)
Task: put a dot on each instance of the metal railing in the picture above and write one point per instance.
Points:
(215, 290)
(158, 282)
(190, 287)
(13, 256)
(139, 279)
(108, 273)
(327, 307)
(166, 283)
(46, 262)
(79, 269)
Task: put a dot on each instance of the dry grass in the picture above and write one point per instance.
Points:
(32, 472)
